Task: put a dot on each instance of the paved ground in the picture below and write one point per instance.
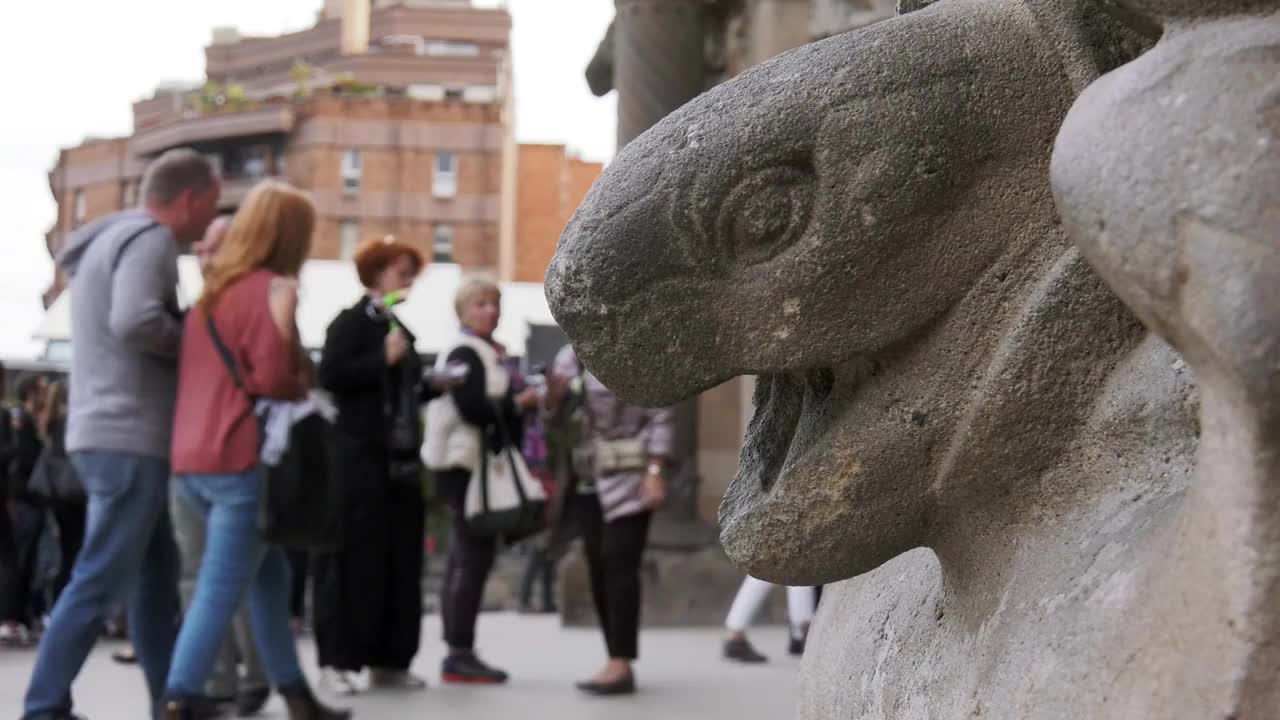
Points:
(682, 678)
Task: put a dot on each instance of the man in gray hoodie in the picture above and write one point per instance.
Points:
(125, 329)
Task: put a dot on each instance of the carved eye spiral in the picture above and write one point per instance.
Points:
(765, 213)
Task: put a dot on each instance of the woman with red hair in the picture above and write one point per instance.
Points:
(368, 597)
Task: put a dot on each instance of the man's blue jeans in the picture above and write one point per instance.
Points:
(128, 554)
(235, 560)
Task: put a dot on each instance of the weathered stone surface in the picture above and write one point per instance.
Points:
(1167, 173)
(954, 410)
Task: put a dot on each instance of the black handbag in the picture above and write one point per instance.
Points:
(302, 498)
(53, 478)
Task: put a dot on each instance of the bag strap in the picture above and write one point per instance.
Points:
(592, 425)
(224, 352)
(508, 448)
(115, 261)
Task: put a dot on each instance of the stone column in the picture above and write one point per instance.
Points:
(659, 64)
(659, 61)
(655, 56)
(778, 26)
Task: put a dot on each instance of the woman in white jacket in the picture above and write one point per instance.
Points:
(485, 411)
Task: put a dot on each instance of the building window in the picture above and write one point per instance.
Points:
(351, 171)
(442, 243)
(78, 208)
(254, 161)
(444, 183)
(423, 91)
(350, 235)
(130, 193)
(480, 94)
(446, 48)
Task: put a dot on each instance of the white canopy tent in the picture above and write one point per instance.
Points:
(328, 286)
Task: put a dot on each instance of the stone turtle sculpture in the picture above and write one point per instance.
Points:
(953, 409)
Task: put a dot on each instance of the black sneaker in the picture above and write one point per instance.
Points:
(467, 669)
(739, 649)
(796, 647)
(250, 702)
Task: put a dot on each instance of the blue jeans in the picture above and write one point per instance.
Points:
(128, 554)
(235, 560)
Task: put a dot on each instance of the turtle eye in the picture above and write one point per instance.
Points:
(765, 213)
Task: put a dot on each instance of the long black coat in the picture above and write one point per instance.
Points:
(368, 600)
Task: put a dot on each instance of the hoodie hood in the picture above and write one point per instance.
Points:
(79, 241)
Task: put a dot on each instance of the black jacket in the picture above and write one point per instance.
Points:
(20, 447)
(8, 448)
(501, 422)
(353, 366)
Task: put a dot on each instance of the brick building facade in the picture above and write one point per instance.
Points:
(552, 183)
(409, 131)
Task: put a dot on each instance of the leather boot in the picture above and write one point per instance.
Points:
(176, 710)
(303, 705)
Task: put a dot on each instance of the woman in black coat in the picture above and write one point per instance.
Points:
(367, 593)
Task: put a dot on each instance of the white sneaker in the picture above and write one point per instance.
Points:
(14, 635)
(340, 682)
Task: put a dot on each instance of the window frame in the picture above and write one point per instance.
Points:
(351, 170)
(447, 229)
(444, 183)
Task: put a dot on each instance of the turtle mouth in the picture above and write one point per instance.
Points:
(794, 415)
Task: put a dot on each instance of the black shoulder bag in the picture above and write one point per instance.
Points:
(302, 498)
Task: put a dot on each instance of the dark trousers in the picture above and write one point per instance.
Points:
(470, 561)
(8, 547)
(18, 601)
(300, 573)
(614, 551)
(367, 595)
(540, 566)
(70, 516)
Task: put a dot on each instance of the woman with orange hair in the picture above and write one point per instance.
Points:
(240, 344)
(368, 593)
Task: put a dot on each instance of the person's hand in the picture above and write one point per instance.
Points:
(302, 361)
(653, 489)
(397, 346)
(306, 370)
(527, 399)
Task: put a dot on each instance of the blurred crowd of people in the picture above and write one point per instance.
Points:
(137, 489)
(140, 484)
(44, 522)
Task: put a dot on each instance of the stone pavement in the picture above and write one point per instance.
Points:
(681, 674)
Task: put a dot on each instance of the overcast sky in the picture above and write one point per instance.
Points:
(72, 68)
